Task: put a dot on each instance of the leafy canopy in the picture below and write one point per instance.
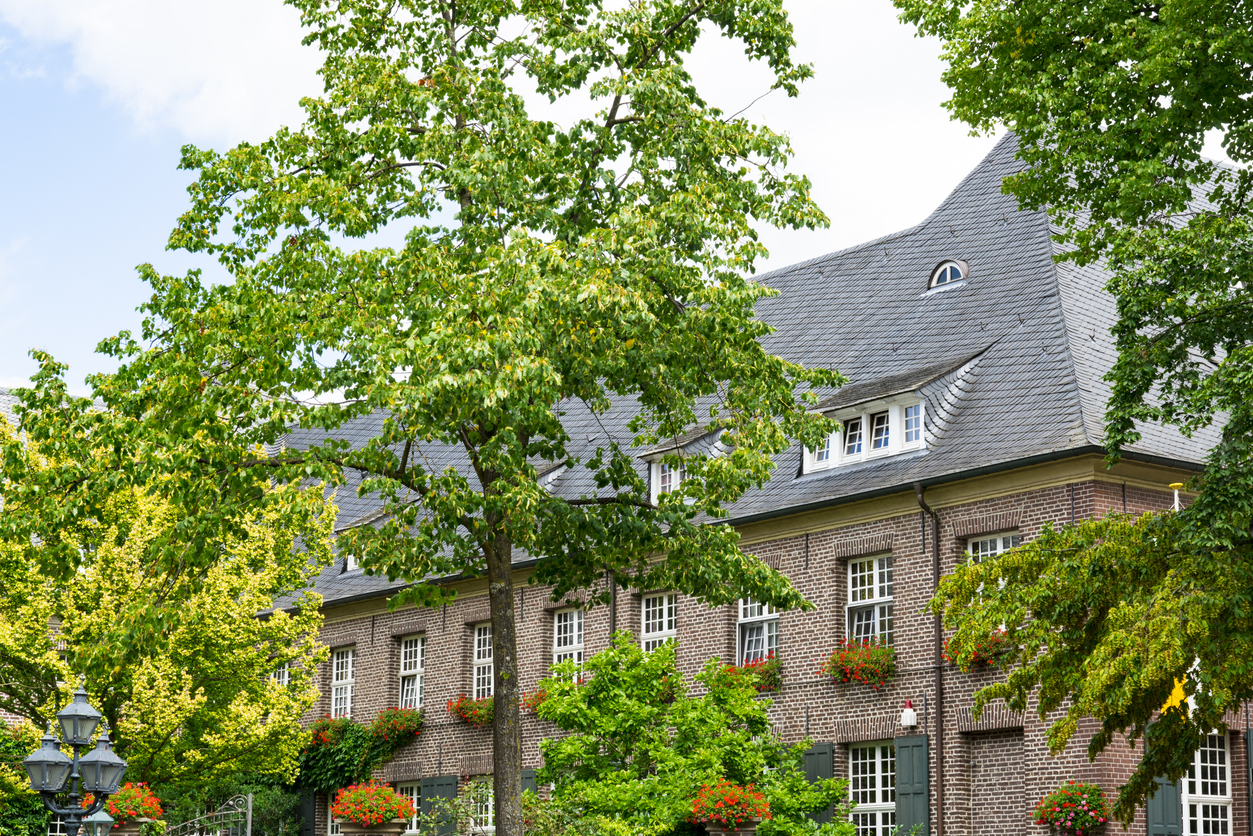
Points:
(637, 748)
(1111, 102)
(180, 666)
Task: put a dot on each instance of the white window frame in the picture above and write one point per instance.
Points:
(332, 826)
(861, 420)
(413, 792)
(990, 545)
(343, 679)
(942, 277)
(412, 672)
(1213, 756)
(871, 604)
(754, 614)
(282, 674)
(672, 475)
(484, 669)
(483, 812)
(568, 635)
(664, 620)
(873, 790)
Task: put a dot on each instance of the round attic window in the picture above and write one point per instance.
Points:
(949, 272)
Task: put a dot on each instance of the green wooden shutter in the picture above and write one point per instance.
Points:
(819, 766)
(913, 784)
(528, 781)
(1164, 809)
(308, 813)
(439, 786)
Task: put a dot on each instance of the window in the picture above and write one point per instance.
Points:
(413, 793)
(659, 620)
(483, 668)
(412, 671)
(1207, 789)
(282, 674)
(870, 599)
(872, 788)
(332, 826)
(56, 827)
(483, 819)
(759, 630)
(913, 423)
(852, 437)
(341, 682)
(879, 431)
(669, 477)
(568, 636)
(948, 272)
(879, 428)
(993, 544)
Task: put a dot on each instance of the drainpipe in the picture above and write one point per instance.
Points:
(939, 659)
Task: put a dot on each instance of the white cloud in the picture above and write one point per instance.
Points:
(217, 71)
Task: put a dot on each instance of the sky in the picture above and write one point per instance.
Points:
(98, 96)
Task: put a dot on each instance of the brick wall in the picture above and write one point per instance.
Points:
(995, 770)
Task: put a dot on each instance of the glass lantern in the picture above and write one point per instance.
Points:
(78, 720)
(101, 769)
(48, 766)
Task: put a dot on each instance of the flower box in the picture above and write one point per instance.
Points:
(766, 671)
(393, 827)
(729, 809)
(985, 652)
(475, 712)
(747, 827)
(371, 808)
(856, 660)
(130, 827)
(1073, 809)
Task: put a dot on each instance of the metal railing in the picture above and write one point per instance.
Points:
(234, 818)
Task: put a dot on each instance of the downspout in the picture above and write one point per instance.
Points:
(939, 658)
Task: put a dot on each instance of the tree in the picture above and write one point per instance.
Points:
(594, 268)
(180, 667)
(637, 748)
(1111, 103)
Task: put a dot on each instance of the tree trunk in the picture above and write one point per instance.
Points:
(506, 730)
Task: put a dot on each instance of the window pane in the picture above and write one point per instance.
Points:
(913, 423)
(823, 453)
(862, 789)
(852, 436)
(861, 580)
(863, 623)
(752, 642)
(659, 620)
(885, 577)
(879, 431)
(483, 681)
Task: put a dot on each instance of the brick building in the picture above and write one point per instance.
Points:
(976, 364)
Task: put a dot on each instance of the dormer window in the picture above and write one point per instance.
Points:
(949, 272)
(870, 430)
(669, 477)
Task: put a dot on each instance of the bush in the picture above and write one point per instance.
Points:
(371, 803)
(340, 752)
(275, 808)
(728, 805)
(1073, 809)
(394, 728)
(854, 660)
(475, 712)
(22, 812)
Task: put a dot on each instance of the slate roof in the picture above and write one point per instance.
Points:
(1008, 362)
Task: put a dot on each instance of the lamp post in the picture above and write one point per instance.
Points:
(98, 772)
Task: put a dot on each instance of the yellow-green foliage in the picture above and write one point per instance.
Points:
(179, 662)
(15, 743)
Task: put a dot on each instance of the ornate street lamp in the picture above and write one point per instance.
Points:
(98, 772)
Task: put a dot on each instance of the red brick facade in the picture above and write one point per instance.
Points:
(994, 770)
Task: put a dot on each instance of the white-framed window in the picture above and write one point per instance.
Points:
(659, 618)
(947, 273)
(872, 787)
(412, 671)
(282, 674)
(56, 827)
(759, 630)
(484, 670)
(332, 826)
(342, 681)
(1207, 788)
(870, 599)
(666, 477)
(879, 428)
(483, 819)
(412, 792)
(568, 636)
(989, 545)
(913, 423)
